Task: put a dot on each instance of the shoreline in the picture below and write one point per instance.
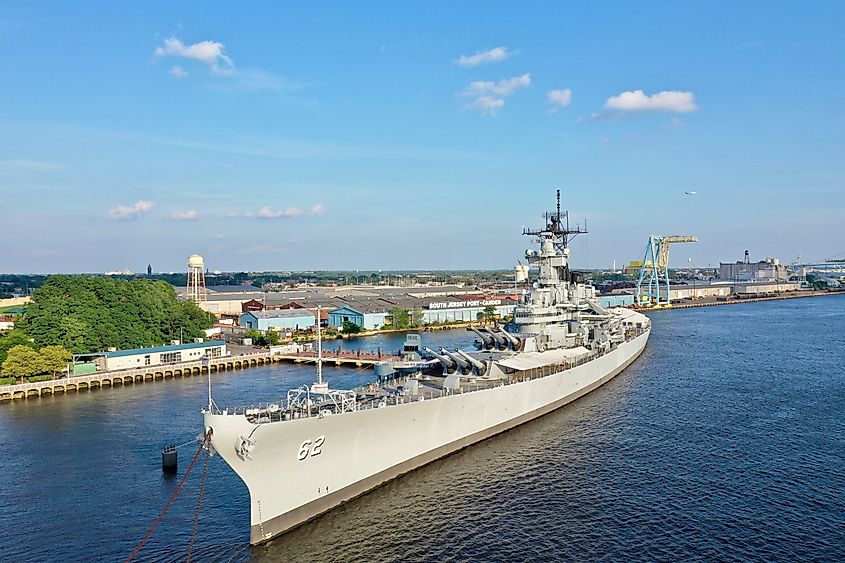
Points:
(713, 303)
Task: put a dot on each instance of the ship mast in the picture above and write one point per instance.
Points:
(552, 258)
(319, 350)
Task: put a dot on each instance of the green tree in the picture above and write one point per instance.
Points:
(401, 318)
(417, 317)
(22, 361)
(15, 337)
(87, 313)
(257, 337)
(350, 328)
(490, 312)
(54, 358)
(272, 338)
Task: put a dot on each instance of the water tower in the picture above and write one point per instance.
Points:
(196, 279)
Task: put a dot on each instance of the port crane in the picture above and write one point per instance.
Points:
(653, 282)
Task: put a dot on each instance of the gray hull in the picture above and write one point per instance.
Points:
(298, 469)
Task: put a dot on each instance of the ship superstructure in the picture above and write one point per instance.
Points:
(321, 447)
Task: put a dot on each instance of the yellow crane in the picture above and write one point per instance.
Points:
(653, 283)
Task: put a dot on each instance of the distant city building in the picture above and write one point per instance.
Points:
(149, 269)
(769, 269)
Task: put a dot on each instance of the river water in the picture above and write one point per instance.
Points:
(724, 441)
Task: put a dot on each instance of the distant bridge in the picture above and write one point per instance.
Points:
(171, 371)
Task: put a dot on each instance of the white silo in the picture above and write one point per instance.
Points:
(196, 279)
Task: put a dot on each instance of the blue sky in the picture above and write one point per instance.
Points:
(415, 135)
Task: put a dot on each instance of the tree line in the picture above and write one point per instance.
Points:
(92, 314)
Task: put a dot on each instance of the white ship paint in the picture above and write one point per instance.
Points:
(322, 449)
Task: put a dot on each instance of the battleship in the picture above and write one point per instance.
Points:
(319, 447)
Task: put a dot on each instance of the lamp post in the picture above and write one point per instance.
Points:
(692, 269)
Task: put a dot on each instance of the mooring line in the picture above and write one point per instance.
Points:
(169, 502)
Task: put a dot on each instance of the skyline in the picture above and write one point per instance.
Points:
(401, 138)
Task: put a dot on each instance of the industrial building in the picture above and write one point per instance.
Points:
(143, 357)
(279, 319)
(769, 269)
(368, 316)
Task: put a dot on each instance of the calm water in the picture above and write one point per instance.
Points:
(725, 441)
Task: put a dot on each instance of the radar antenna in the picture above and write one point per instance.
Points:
(557, 227)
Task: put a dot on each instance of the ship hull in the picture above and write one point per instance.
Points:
(291, 479)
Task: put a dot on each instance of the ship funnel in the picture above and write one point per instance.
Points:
(465, 365)
(486, 340)
(448, 363)
(480, 366)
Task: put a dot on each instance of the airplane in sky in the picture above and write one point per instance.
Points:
(690, 193)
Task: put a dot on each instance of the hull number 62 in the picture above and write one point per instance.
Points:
(310, 448)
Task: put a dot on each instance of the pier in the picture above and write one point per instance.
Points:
(162, 372)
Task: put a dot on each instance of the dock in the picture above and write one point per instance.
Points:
(163, 372)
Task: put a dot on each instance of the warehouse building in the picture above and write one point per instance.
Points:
(278, 319)
(367, 315)
(465, 309)
(145, 357)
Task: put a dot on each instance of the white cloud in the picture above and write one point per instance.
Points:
(177, 71)
(132, 211)
(486, 104)
(560, 98)
(637, 100)
(211, 53)
(267, 212)
(189, 215)
(489, 56)
(489, 96)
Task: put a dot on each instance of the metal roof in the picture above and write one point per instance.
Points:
(281, 314)
(157, 349)
(233, 288)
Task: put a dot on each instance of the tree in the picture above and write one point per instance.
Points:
(15, 337)
(490, 312)
(54, 358)
(87, 313)
(401, 318)
(22, 361)
(257, 337)
(272, 338)
(417, 317)
(350, 328)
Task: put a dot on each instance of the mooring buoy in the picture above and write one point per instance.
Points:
(169, 459)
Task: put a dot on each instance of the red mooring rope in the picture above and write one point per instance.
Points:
(169, 502)
(199, 506)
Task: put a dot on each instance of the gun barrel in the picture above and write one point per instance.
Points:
(447, 362)
(480, 366)
(457, 359)
(501, 341)
(513, 339)
(485, 338)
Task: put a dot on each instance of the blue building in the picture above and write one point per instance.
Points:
(362, 314)
(280, 319)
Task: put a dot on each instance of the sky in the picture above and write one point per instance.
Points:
(416, 135)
